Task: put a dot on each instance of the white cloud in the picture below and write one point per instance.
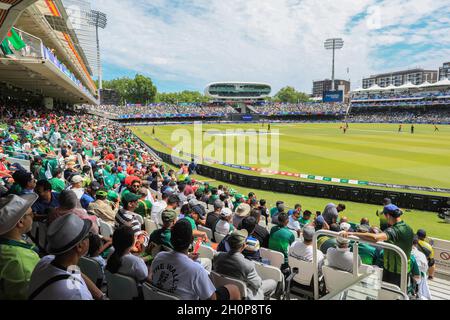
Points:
(194, 42)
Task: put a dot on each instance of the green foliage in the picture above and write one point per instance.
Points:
(290, 95)
(137, 90)
(181, 97)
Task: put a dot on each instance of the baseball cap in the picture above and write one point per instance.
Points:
(76, 179)
(130, 197)
(421, 233)
(308, 233)
(168, 216)
(226, 212)
(112, 196)
(238, 238)
(392, 210)
(102, 193)
(345, 226)
(95, 186)
(218, 204)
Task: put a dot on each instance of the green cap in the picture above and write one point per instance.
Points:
(130, 197)
(168, 216)
(238, 196)
(102, 193)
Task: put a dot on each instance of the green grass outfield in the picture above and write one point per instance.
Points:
(368, 152)
(372, 152)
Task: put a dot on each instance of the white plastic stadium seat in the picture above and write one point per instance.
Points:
(150, 226)
(206, 252)
(390, 292)
(269, 272)
(92, 270)
(105, 229)
(336, 280)
(306, 271)
(219, 237)
(276, 258)
(220, 280)
(208, 231)
(121, 287)
(150, 292)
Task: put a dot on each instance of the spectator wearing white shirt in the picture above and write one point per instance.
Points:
(294, 224)
(55, 277)
(341, 258)
(122, 261)
(158, 208)
(303, 250)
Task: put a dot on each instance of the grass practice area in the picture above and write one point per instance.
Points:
(370, 152)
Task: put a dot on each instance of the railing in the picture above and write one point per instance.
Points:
(384, 245)
(33, 47)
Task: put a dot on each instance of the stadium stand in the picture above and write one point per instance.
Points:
(82, 162)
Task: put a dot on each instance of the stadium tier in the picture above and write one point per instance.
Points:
(223, 91)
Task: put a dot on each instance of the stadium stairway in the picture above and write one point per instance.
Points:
(439, 288)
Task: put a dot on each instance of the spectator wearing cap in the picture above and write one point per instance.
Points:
(399, 234)
(428, 250)
(422, 263)
(341, 258)
(224, 225)
(89, 194)
(134, 186)
(158, 207)
(69, 204)
(17, 258)
(162, 236)
(297, 208)
(102, 208)
(178, 273)
(279, 207)
(77, 186)
(281, 238)
(193, 214)
(58, 184)
(325, 242)
(331, 212)
(188, 189)
(303, 250)
(260, 233)
(55, 277)
(368, 254)
(47, 199)
(235, 265)
(242, 211)
(144, 208)
(239, 198)
(172, 204)
(213, 217)
(122, 261)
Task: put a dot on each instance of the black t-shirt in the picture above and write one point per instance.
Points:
(262, 235)
(211, 221)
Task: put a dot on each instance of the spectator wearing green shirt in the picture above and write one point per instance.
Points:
(57, 183)
(281, 238)
(305, 219)
(398, 233)
(144, 206)
(17, 258)
(163, 235)
(367, 252)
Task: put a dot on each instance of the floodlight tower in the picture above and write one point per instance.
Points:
(98, 20)
(333, 44)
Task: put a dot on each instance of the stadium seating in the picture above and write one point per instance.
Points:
(150, 292)
(121, 287)
(207, 231)
(276, 258)
(92, 270)
(150, 225)
(220, 280)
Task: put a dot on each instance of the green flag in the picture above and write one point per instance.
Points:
(15, 40)
(5, 48)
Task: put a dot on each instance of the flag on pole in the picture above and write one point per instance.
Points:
(12, 40)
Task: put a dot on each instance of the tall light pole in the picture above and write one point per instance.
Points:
(333, 44)
(98, 20)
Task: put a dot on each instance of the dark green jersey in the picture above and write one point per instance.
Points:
(401, 235)
(280, 240)
(161, 237)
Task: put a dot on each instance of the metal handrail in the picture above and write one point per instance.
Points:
(384, 245)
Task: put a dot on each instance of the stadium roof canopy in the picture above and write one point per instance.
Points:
(238, 90)
(52, 64)
(406, 86)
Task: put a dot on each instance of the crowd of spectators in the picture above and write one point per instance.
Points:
(403, 116)
(302, 108)
(86, 171)
(391, 95)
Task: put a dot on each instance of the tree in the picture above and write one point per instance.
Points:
(137, 90)
(182, 97)
(290, 95)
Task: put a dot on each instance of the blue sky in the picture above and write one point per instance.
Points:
(186, 44)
